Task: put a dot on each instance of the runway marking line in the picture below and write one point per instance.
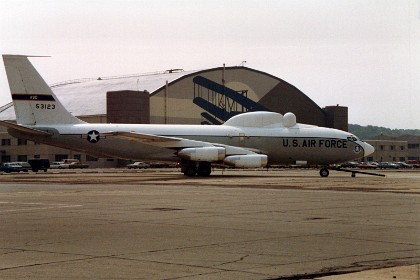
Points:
(47, 206)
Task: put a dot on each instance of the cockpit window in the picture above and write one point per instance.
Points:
(352, 138)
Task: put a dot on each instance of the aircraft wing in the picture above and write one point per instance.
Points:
(178, 143)
(24, 129)
(146, 138)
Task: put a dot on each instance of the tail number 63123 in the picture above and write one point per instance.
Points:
(45, 106)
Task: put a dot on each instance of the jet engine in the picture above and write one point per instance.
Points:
(203, 154)
(246, 161)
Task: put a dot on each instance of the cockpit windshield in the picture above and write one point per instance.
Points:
(352, 138)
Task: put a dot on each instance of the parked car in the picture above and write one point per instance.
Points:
(138, 164)
(39, 164)
(414, 163)
(70, 163)
(350, 164)
(404, 165)
(77, 164)
(387, 165)
(10, 167)
(58, 165)
(367, 165)
(25, 166)
(161, 165)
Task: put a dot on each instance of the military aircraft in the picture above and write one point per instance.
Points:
(248, 140)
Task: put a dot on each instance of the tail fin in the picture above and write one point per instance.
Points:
(33, 99)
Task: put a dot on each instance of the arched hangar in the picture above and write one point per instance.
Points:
(208, 96)
(175, 96)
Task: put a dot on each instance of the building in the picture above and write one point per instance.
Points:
(395, 148)
(172, 97)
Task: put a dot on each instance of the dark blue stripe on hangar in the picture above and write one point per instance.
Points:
(33, 97)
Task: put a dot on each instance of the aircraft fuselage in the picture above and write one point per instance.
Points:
(302, 143)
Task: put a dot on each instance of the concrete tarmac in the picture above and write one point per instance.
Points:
(157, 224)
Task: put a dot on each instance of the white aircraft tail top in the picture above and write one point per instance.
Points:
(33, 99)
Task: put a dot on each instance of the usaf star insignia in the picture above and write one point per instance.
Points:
(93, 136)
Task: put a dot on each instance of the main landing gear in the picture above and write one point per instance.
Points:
(192, 168)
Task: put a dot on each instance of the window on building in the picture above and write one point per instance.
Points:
(5, 159)
(413, 146)
(60, 157)
(22, 158)
(392, 147)
(402, 158)
(78, 157)
(382, 147)
(402, 148)
(6, 142)
(91, 158)
(22, 142)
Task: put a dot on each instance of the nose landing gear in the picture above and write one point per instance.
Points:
(324, 172)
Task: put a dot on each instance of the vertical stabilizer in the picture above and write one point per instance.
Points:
(33, 99)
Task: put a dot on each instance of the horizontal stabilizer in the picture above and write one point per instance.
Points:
(24, 129)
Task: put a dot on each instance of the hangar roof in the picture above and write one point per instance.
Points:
(87, 97)
(92, 92)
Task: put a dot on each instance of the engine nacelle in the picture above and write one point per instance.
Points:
(203, 154)
(247, 161)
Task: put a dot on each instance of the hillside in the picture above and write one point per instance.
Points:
(369, 132)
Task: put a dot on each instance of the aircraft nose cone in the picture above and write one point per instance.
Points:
(369, 149)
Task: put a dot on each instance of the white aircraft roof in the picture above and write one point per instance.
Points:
(92, 92)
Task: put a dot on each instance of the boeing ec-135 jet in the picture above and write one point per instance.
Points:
(248, 140)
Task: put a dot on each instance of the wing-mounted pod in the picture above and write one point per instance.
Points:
(219, 154)
(210, 154)
(247, 161)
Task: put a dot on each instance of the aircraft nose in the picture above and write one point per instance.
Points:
(369, 149)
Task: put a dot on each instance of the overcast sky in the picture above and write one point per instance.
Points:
(364, 54)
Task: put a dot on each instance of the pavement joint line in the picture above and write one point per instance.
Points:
(191, 265)
(39, 208)
(383, 241)
(89, 257)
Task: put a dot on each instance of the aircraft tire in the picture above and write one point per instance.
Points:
(190, 171)
(204, 169)
(324, 172)
(190, 168)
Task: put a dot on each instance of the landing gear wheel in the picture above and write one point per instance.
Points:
(190, 171)
(324, 172)
(204, 169)
(188, 167)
